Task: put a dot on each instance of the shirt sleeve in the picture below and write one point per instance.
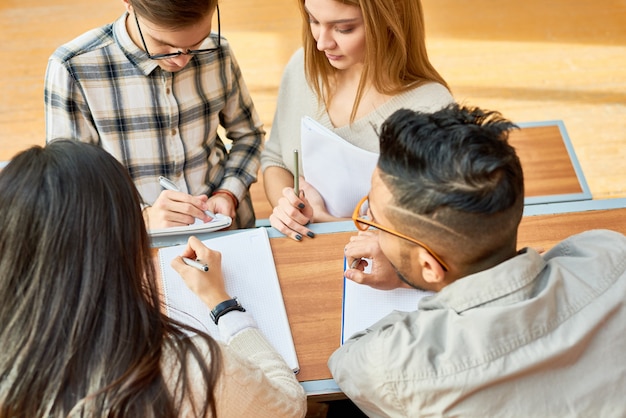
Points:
(245, 129)
(257, 380)
(358, 369)
(66, 112)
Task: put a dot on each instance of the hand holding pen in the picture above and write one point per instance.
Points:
(201, 269)
(169, 185)
(175, 208)
(293, 212)
(367, 264)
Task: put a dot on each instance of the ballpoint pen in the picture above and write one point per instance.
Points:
(170, 185)
(296, 173)
(196, 263)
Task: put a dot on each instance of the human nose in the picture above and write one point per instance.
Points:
(325, 40)
(181, 60)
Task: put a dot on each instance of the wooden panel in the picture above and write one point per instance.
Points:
(548, 169)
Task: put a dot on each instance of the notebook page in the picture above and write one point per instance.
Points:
(250, 275)
(364, 306)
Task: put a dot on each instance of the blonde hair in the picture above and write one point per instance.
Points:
(395, 60)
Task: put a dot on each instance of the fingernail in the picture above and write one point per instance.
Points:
(311, 234)
(298, 237)
(301, 205)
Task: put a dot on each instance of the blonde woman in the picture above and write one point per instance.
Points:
(361, 61)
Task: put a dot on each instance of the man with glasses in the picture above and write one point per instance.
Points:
(507, 332)
(152, 89)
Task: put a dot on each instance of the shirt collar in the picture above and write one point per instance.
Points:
(134, 54)
(503, 284)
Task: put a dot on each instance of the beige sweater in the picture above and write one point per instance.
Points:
(296, 99)
(255, 381)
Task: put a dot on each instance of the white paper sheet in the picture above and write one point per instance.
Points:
(340, 171)
(364, 306)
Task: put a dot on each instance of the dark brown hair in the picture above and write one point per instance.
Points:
(174, 13)
(82, 325)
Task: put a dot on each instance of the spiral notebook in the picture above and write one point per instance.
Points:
(250, 275)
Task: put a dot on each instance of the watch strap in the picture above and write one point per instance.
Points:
(225, 307)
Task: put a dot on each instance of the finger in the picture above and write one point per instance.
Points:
(356, 276)
(186, 204)
(294, 201)
(292, 223)
(280, 226)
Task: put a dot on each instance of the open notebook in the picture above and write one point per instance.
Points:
(364, 306)
(250, 275)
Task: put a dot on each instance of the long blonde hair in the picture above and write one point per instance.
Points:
(395, 60)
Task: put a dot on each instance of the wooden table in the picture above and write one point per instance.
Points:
(551, 170)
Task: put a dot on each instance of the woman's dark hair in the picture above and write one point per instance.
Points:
(83, 330)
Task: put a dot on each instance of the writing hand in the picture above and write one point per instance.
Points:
(209, 285)
(382, 274)
(174, 208)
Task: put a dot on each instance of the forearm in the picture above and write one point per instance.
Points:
(258, 373)
(275, 179)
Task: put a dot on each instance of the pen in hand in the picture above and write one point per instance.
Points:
(355, 263)
(296, 173)
(196, 263)
(170, 185)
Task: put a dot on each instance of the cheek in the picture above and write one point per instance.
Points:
(315, 31)
(356, 46)
(390, 248)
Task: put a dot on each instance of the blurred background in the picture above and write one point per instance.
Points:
(535, 60)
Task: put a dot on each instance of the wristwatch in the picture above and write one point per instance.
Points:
(225, 307)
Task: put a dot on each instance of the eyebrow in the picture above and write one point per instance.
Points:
(177, 46)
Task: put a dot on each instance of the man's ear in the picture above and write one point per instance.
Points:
(432, 271)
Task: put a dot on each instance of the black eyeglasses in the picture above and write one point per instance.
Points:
(189, 51)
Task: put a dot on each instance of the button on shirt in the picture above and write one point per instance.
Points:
(101, 88)
(532, 337)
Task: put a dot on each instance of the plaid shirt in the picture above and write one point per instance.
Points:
(103, 89)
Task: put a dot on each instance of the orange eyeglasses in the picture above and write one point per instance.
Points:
(362, 224)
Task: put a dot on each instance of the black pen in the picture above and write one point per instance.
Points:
(296, 173)
(196, 263)
(170, 185)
